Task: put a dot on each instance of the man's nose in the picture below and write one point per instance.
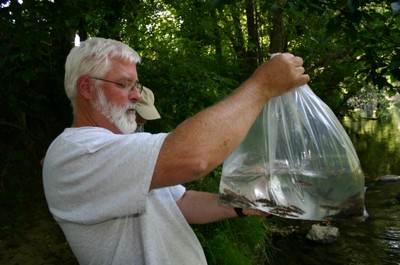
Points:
(135, 95)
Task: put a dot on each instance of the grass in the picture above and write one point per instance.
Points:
(238, 241)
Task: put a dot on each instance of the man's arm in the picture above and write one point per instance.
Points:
(203, 207)
(203, 142)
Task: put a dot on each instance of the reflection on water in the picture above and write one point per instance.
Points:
(376, 240)
(377, 142)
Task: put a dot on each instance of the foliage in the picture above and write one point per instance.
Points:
(233, 241)
(340, 46)
(236, 241)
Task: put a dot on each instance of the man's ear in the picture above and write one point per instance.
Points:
(85, 86)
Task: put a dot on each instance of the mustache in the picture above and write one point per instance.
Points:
(131, 106)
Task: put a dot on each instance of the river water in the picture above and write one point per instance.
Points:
(375, 241)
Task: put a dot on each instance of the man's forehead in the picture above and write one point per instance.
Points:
(123, 67)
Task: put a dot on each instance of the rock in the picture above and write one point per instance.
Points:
(389, 178)
(323, 234)
(398, 197)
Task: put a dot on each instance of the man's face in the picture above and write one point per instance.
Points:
(117, 104)
(121, 115)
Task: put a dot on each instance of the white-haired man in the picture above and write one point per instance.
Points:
(117, 195)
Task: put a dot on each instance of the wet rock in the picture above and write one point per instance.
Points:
(323, 234)
(389, 178)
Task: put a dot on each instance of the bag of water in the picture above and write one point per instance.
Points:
(296, 162)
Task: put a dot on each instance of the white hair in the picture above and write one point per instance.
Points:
(93, 57)
(116, 114)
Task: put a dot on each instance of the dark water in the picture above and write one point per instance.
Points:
(377, 239)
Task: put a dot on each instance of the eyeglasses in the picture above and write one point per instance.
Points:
(127, 86)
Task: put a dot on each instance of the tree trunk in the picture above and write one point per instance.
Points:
(238, 38)
(277, 32)
(217, 37)
(253, 44)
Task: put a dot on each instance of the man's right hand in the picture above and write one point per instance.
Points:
(280, 74)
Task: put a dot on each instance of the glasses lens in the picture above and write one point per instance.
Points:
(139, 87)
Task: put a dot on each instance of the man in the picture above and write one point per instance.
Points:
(117, 195)
(145, 109)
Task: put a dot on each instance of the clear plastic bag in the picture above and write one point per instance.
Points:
(296, 162)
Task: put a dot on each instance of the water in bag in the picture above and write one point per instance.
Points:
(297, 162)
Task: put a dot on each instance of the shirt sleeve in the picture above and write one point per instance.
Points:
(93, 175)
(177, 191)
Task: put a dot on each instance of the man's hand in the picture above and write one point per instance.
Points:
(254, 212)
(280, 74)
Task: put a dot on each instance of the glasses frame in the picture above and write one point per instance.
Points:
(127, 85)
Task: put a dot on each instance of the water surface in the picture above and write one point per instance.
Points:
(377, 239)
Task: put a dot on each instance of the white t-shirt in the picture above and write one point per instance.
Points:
(97, 187)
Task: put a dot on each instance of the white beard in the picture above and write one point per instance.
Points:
(117, 115)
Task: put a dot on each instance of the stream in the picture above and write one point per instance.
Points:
(377, 239)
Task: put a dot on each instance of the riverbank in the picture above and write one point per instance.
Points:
(375, 241)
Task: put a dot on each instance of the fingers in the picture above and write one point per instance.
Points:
(294, 60)
(298, 61)
(280, 74)
(304, 78)
(255, 212)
